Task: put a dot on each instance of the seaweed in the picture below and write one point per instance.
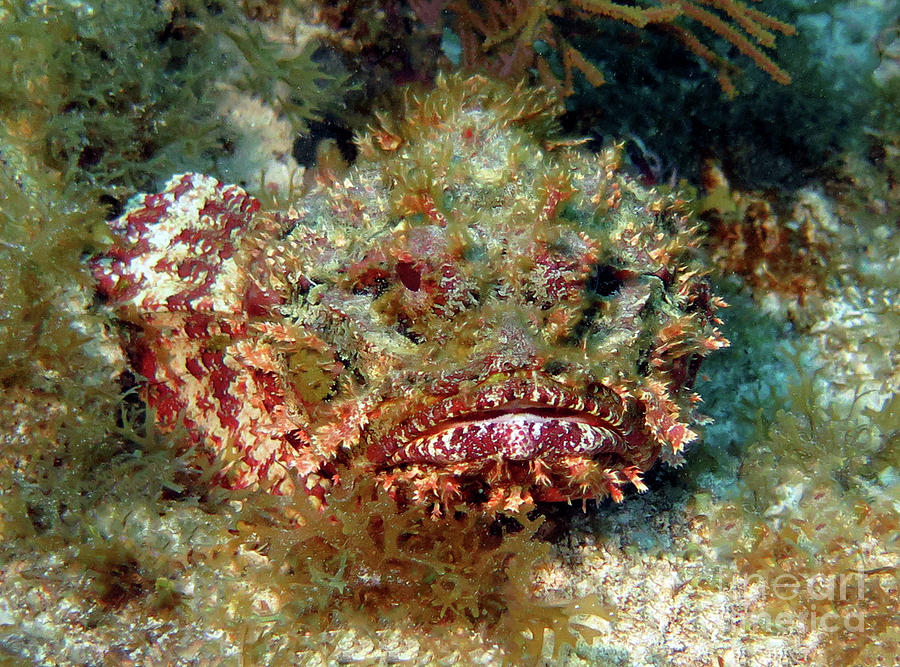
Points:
(810, 521)
(120, 94)
(814, 525)
(285, 77)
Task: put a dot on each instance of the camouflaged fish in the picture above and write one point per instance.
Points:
(476, 312)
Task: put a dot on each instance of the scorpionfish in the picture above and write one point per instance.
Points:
(477, 312)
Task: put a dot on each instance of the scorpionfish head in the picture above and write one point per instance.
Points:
(477, 312)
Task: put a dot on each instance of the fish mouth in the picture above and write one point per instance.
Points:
(512, 441)
(512, 420)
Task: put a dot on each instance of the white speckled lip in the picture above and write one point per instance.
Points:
(514, 433)
(516, 419)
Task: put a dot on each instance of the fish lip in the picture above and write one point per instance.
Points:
(530, 400)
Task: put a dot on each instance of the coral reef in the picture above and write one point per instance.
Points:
(775, 543)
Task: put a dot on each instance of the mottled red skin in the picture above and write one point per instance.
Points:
(464, 351)
(186, 301)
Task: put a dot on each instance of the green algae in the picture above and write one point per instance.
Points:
(107, 97)
(817, 510)
(804, 501)
(125, 93)
(101, 101)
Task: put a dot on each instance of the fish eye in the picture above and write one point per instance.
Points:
(605, 280)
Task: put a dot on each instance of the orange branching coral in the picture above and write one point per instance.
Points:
(500, 36)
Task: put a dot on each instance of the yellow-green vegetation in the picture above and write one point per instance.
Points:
(353, 570)
(102, 527)
(117, 529)
(816, 524)
(814, 521)
(99, 101)
(125, 93)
